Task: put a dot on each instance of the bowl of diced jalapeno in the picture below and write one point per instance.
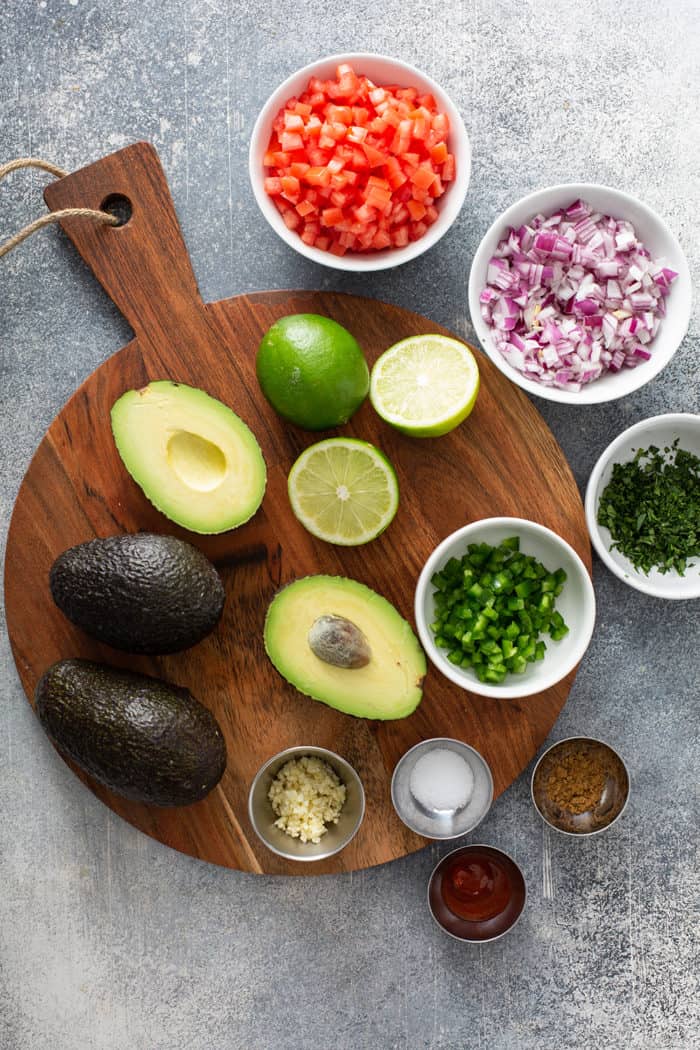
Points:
(505, 607)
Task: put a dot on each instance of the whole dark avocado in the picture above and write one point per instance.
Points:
(139, 592)
(144, 738)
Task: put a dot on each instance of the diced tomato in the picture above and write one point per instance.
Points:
(298, 169)
(400, 237)
(381, 240)
(332, 216)
(448, 169)
(357, 134)
(290, 187)
(400, 214)
(353, 166)
(318, 157)
(290, 140)
(375, 157)
(291, 219)
(364, 214)
(317, 177)
(439, 154)
(339, 114)
(423, 177)
(416, 209)
(441, 124)
(420, 128)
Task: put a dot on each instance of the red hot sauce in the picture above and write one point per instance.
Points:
(477, 893)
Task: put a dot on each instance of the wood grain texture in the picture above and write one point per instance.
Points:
(502, 461)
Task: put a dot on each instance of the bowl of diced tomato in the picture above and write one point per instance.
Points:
(360, 162)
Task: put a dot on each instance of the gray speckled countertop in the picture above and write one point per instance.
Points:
(110, 941)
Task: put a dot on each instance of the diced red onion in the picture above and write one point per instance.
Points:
(573, 295)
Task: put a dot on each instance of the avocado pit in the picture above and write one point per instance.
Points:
(339, 642)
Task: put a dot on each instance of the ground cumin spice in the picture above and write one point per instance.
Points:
(576, 781)
(580, 785)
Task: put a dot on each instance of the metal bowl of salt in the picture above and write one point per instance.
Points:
(442, 788)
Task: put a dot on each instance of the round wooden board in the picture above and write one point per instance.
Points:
(502, 461)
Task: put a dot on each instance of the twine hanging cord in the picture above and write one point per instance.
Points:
(55, 216)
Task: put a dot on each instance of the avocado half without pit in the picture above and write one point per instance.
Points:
(142, 737)
(194, 458)
(340, 642)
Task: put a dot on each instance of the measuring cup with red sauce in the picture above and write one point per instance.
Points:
(476, 893)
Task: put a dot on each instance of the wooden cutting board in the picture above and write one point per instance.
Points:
(502, 461)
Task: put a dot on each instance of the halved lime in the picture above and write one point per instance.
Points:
(425, 385)
(344, 491)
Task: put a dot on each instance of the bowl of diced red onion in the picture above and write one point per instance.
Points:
(359, 162)
(580, 293)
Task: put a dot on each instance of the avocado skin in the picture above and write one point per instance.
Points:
(144, 738)
(139, 592)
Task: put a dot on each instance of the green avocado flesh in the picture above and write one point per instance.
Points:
(144, 738)
(194, 458)
(389, 686)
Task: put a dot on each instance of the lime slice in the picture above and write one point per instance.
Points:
(425, 385)
(343, 491)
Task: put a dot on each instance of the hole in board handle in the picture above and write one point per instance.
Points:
(119, 206)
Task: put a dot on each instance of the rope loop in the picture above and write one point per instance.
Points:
(102, 217)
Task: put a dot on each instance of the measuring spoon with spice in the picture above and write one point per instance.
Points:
(580, 786)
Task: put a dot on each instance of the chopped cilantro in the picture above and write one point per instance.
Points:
(651, 505)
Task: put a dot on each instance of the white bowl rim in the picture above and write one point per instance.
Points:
(501, 692)
(630, 576)
(587, 395)
(592, 740)
(390, 257)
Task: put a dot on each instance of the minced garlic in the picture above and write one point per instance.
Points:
(306, 795)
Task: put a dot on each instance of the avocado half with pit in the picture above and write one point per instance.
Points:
(195, 459)
(370, 665)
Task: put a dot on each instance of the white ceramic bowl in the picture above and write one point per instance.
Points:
(660, 431)
(655, 235)
(382, 70)
(576, 603)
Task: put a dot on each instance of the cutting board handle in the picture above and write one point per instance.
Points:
(143, 265)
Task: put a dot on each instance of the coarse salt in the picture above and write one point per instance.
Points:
(441, 781)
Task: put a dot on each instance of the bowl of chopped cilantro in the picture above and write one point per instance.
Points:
(643, 506)
(504, 607)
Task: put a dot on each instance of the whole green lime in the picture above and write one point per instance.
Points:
(312, 371)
